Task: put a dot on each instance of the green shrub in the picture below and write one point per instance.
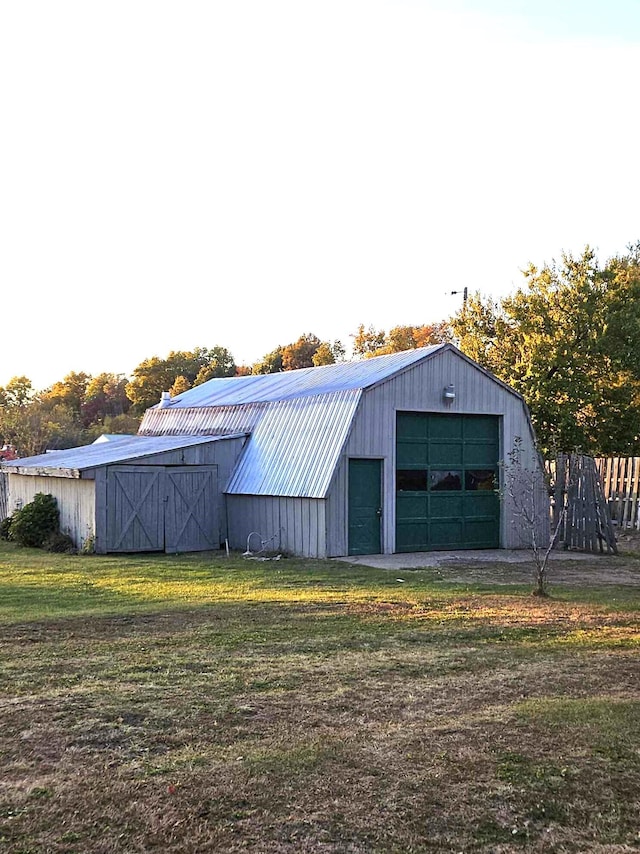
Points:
(5, 528)
(35, 521)
(59, 542)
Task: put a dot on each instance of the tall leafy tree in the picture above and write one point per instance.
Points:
(376, 342)
(180, 384)
(38, 426)
(150, 378)
(105, 397)
(368, 340)
(155, 375)
(271, 363)
(569, 342)
(69, 392)
(300, 354)
(307, 352)
(217, 362)
(328, 354)
(18, 392)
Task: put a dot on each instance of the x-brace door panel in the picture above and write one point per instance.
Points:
(135, 508)
(191, 520)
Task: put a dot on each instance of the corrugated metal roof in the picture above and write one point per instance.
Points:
(294, 448)
(344, 376)
(118, 449)
(298, 420)
(199, 421)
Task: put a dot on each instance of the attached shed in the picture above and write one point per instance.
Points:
(395, 453)
(135, 493)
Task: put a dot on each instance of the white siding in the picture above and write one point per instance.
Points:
(76, 501)
(295, 525)
(420, 389)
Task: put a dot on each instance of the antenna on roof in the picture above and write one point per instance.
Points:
(464, 293)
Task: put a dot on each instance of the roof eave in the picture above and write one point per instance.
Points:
(41, 471)
(438, 348)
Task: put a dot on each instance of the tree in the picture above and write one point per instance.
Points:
(217, 362)
(367, 341)
(328, 354)
(271, 363)
(150, 378)
(17, 392)
(432, 333)
(569, 342)
(477, 328)
(38, 426)
(527, 489)
(105, 397)
(376, 342)
(69, 392)
(153, 376)
(300, 354)
(180, 384)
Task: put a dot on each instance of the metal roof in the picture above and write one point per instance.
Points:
(201, 421)
(115, 449)
(343, 376)
(294, 448)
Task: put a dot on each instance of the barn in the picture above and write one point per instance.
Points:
(397, 453)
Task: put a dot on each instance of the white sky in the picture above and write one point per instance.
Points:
(180, 174)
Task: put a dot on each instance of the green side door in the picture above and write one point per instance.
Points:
(365, 506)
(446, 481)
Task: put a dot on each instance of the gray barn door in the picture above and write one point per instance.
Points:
(135, 517)
(191, 517)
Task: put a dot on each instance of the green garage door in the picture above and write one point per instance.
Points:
(446, 476)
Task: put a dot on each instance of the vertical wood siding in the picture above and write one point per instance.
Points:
(135, 515)
(295, 525)
(83, 502)
(222, 454)
(76, 501)
(191, 510)
(420, 389)
(3, 495)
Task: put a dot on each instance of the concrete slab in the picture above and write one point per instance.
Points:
(417, 560)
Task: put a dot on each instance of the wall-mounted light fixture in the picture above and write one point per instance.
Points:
(449, 393)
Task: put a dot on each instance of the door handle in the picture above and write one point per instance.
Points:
(379, 511)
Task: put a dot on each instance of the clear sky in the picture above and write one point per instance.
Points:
(180, 174)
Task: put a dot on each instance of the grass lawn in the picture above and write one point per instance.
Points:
(201, 704)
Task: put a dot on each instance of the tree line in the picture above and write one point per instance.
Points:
(568, 340)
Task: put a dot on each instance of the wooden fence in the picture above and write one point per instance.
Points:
(580, 517)
(621, 481)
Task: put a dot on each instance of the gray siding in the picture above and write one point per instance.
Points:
(83, 501)
(297, 525)
(76, 501)
(222, 454)
(420, 389)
